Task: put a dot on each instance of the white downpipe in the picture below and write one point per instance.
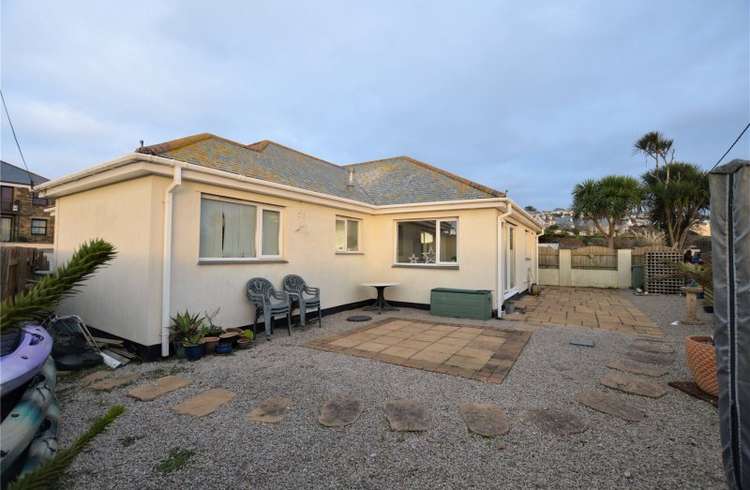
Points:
(501, 258)
(166, 277)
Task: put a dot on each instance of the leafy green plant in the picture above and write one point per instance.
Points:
(213, 330)
(248, 334)
(176, 459)
(186, 326)
(37, 303)
(48, 475)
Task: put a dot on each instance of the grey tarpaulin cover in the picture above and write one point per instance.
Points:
(730, 230)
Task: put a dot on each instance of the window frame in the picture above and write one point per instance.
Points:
(438, 263)
(346, 220)
(46, 226)
(259, 208)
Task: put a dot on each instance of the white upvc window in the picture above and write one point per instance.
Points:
(348, 232)
(427, 241)
(233, 229)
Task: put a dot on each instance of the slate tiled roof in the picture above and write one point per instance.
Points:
(392, 181)
(16, 175)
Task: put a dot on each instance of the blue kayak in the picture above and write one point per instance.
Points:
(33, 345)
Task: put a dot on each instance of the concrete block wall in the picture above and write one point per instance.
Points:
(565, 275)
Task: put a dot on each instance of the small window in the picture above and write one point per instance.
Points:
(38, 226)
(347, 235)
(427, 242)
(238, 230)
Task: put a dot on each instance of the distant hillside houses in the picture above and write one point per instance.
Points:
(565, 220)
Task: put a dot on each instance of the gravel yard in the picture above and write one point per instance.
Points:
(677, 446)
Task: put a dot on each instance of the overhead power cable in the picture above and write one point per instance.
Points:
(730, 148)
(18, 145)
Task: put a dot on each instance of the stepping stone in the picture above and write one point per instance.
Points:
(271, 411)
(112, 383)
(637, 368)
(650, 358)
(204, 403)
(162, 386)
(340, 412)
(557, 422)
(407, 416)
(652, 347)
(94, 377)
(611, 405)
(631, 384)
(485, 419)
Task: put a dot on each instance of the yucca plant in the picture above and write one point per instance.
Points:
(38, 302)
(186, 327)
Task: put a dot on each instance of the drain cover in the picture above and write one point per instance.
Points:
(358, 318)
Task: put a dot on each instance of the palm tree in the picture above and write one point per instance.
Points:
(655, 145)
(677, 205)
(609, 199)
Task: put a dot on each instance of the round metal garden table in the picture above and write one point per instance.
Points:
(380, 304)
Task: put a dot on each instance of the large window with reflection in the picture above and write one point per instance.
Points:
(428, 242)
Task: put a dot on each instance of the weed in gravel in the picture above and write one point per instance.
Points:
(176, 460)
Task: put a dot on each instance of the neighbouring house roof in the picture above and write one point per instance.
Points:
(396, 180)
(11, 174)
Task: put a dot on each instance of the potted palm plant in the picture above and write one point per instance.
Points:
(187, 331)
(193, 345)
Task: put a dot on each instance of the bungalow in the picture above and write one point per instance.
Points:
(194, 218)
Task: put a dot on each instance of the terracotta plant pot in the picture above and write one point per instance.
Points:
(701, 360)
(243, 343)
(210, 344)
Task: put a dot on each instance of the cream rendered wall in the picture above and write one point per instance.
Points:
(123, 298)
(477, 256)
(308, 246)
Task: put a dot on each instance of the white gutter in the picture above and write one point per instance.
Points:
(166, 273)
(500, 257)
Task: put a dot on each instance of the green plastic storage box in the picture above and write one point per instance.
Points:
(461, 303)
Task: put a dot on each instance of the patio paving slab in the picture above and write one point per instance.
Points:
(204, 403)
(407, 416)
(340, 412)
(611, 405)
(109, 384)
(652, 347)
(271, 411)
(485, 419)
(164, 385)
(585, 307)
(630, 384)
(481, 353)
(649, 357)
(635, 367)
(557, 422)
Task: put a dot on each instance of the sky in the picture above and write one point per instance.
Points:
(529, 97)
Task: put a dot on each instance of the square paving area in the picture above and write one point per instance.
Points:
(480, 353)
(584, 307)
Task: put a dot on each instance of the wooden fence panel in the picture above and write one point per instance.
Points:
(549, 258)
(593, 258)
(17, 267)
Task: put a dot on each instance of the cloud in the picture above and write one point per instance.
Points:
(532, 98)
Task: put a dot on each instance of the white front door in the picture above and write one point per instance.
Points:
(511, 279)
